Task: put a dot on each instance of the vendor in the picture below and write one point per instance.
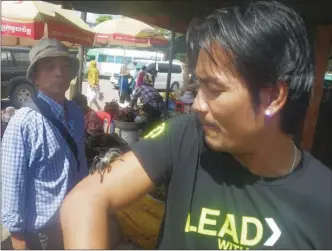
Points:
(140, 76)
(187, 99)
(153, 103)
(125, 82)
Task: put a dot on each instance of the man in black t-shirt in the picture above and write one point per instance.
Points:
(234, 177)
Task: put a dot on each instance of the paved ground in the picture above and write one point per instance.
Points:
(107, 88)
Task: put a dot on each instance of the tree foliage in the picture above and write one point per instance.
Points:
(101, 19)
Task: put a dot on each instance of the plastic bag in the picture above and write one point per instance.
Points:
(101, 96)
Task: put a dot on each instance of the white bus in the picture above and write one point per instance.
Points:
(109, 60)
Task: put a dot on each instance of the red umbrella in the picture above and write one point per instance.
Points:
(25, 22)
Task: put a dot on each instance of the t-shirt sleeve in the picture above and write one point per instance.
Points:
(158, 150)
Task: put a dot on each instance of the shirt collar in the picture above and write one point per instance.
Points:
(57, 109)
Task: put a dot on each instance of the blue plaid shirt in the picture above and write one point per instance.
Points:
(38, 167)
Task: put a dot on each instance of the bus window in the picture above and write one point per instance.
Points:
(102, 58)
(140, 58)
(118, 59)
(128, 59)
(122, 60)
(90, 58)
(110, 59)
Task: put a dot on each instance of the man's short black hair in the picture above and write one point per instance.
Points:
(268, 43)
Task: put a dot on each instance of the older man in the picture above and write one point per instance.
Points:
(235, 178)
(39, 167)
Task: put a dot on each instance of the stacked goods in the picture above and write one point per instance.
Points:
(112, 108)
(125, 115)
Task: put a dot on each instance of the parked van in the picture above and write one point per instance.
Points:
(162, 71)
(109, 60)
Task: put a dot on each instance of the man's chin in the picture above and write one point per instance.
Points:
(213, 143)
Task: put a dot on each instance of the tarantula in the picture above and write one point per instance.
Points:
(103, 164)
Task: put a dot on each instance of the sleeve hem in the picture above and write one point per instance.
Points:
(150, 174)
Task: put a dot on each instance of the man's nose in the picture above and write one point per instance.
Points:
(58, 70)
(200, 104)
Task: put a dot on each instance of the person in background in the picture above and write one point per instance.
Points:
(94, 125)
(124, 83)
(153, 103)
(38, 166)
(153, 72)
(82, 101)
(140, 76)
(187, 99)
(93, 91)
(93, 120)
(133, 72)
(234, 177)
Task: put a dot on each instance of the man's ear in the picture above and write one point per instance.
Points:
(277, 99)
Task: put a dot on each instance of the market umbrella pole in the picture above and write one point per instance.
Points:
(81, 58)
(171, 49)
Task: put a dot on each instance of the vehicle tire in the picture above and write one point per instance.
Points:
(175, 86)
(21, 93)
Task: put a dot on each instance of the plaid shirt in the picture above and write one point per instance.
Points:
(148, 95)
(38, 167)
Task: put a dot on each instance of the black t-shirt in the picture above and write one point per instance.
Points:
(215, 203)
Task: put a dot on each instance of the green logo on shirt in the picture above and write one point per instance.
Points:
(155, 132)
(229, 237)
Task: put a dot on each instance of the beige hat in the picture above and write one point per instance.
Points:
(50, 47)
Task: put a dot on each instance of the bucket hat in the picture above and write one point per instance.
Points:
(50, 48)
